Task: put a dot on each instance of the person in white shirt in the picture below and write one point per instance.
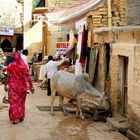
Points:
(24, 55)
(51, 69)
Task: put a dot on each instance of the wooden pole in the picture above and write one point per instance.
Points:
(44, 39)
(92, 72)
(109, 13)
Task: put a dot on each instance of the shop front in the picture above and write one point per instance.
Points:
(10, 41)
(6, 41)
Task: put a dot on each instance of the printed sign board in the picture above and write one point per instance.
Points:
(61, 47)
(6, 31)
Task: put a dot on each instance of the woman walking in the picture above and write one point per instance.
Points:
(18, 82)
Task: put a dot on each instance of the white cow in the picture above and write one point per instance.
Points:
(68, 85)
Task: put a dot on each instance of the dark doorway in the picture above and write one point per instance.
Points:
(41, 3)
(107, 58)
(123, 84)
(6, 46)
(19, 45)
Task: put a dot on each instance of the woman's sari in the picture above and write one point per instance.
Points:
(19, 82)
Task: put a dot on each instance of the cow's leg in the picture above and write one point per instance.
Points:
(62, 105)
(78, 106)
(77, 112)
(53, 94)
(79, 109)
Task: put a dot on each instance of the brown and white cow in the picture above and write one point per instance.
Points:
(68, 85)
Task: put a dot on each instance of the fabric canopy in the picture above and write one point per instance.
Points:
(74, 13)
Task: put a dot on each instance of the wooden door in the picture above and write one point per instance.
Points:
(123, 85)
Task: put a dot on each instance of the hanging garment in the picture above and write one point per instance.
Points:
(83, 54)
(78, 66)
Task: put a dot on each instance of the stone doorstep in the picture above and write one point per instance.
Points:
(131, 135)
(119, 124)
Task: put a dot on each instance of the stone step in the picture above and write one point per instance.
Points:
(132, 136)
(119, 124)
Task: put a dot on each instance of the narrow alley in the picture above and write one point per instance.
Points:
(85, 50)
(40, 125)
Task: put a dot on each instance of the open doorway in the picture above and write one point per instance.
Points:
(19, 44)
(6, 46)
(123, 85)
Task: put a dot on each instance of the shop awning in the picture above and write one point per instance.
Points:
(74, 13)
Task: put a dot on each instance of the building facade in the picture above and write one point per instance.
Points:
(11, 24)
(117, 71)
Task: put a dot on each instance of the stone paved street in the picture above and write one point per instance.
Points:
(40, 125)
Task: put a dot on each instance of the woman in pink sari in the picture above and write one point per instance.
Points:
(18, 83)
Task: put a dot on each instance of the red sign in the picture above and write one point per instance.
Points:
(62, 45)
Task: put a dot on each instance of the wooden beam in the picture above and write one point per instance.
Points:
(40, 10)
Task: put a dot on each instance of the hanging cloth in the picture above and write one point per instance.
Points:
(83, 54)
(78, 66)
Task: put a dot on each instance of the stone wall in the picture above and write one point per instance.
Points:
(113, 84)
(6, 18)
(11, 15)
(124, 12)
(133, 12)
(118, 50)
(124, 42)
(134, 100)
(99, 17)
(118, 12)
(132, 51)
